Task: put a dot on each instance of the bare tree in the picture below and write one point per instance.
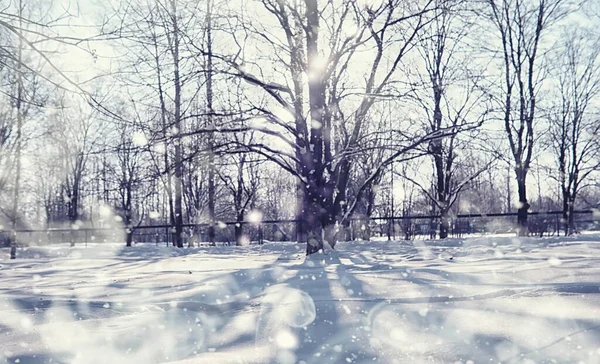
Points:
(161, 34)
(521, 26)
(77, 124)
(20, 74)
(327, 116)
(242, 181)
(276, 191)
(452, 97)
(129, 180)
(574, 130)
(375, 151)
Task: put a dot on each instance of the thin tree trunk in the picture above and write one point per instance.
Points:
(163, 114)
(127, 208)
(178, 238)
(13, 241)
(571, 218)
(128, 227)
(74, 204)
(508, 190)
(565, 211)
(522, 229)
(209, 106)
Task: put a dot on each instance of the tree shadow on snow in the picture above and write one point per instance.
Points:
(318, 310)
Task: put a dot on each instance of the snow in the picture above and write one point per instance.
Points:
(476, 300)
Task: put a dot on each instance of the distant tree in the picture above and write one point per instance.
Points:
(75, 132)
(276, 191)
(241, 178)
(450, 97)
(521, 27)
(130, 177)
(20, 74)
(574, 128)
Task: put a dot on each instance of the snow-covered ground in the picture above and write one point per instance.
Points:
(477, 300)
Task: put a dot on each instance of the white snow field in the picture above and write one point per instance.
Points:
(478, 300)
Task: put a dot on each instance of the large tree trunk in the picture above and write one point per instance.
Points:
(301, 235)
(331, 233)
(129, 236)
(568, 217)
(313, 160)
(313, 228)
(444, 223)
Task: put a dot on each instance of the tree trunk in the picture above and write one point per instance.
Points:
(209, 106)
(572, 228)
(15, 207)
(312, 168)
(178, 239)
(163, 108)
(406, 226)
(13, 245)
(565, 210)
(315, 239)
(239, 231)
(444, 223)
(313, 227)
(346, 230)
(364, 228)
(301, 235)
(128, 226)
(522, 229)
(330, 234)
(129, 236)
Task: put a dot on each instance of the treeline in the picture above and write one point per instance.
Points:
(177, 112)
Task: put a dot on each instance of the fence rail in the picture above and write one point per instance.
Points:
(390, 227)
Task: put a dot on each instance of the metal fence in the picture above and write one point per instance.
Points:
(391, 228)
(426, 227)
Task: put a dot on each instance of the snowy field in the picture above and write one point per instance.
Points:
(477, 300)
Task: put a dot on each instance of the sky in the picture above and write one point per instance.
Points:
(79, 65)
